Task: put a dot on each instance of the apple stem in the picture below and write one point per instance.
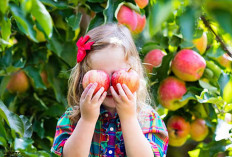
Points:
(129, 69)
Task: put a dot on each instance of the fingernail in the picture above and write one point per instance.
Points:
(102, 88)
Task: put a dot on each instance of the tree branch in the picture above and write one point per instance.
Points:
(219, 39)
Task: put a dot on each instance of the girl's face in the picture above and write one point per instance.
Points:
(109, 59)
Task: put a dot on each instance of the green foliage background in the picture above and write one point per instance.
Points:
(41, 35)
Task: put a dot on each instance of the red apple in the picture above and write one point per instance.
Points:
(141, 22)
(127, 77)
(98, 76)
(170, 92)
(178, 130)
(18, 83)
(199, 130)
(44, 77)
(128, 17)
(188, 65)
(153, 59)
(201, 43)
(141, 3)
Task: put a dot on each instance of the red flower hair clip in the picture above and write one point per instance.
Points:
(82, 47)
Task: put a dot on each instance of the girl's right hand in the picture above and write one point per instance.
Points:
(90, 104)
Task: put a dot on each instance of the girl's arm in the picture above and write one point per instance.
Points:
(79, 143)
(136, 143)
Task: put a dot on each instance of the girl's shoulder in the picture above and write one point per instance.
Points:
(147, 111)
(64, 119)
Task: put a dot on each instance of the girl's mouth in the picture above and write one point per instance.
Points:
(109, 96)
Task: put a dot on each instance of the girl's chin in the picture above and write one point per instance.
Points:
(109, 102)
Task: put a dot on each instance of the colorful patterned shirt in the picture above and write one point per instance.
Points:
(108, 139)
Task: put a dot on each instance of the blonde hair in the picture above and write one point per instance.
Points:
(105, 36)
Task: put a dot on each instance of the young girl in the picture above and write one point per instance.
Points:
(109, 123)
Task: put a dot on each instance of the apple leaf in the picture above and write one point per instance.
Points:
(39, 128)
(110, 9)
(6, 28)
(208, 86)
(23, 143)
(33, 73)
(159, 12)
(96, 21)
(55, 4)
(225, 84)
(56, 44)
(43, 17)
(150, 46)
(161, 72)
(24, 24)
(3, 6)
(12, 119)
(27, 126)
(187, 23)
(74, 21)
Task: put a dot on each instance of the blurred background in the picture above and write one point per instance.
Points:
(185, 46)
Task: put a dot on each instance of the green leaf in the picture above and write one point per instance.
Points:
(27, 126)
(3, 6)
(96, 1)
(3, 85)
(148, 46)
(96, 21)
(56, 83)
(23, 143)
(39, 128)
(69, 54)
(110, 10)
(42, 16)
(3, 133)
(187, 23)
(3, 142)
(162, 72)
(175, 41)
(55, 4)
(225, 84)
(208, 86)
(6, 28)
(55, 111)
(215, 52)
(55, 44)
(12, 119)
(219, 9)
(34, 73)
(40, 101)
(95, 7)
(159, 13)
(25, 25)
(74, 21)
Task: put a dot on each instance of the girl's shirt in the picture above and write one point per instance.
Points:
(108, 139)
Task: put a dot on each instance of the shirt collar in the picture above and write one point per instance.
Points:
(106, 114)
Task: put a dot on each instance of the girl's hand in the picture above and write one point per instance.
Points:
(90, 104)
(125, 102)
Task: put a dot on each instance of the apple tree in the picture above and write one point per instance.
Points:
(183, 44)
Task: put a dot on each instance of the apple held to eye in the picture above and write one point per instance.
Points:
(100, 77)
(122, 76)
(128, 77)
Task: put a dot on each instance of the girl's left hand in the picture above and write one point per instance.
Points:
(125, 102)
